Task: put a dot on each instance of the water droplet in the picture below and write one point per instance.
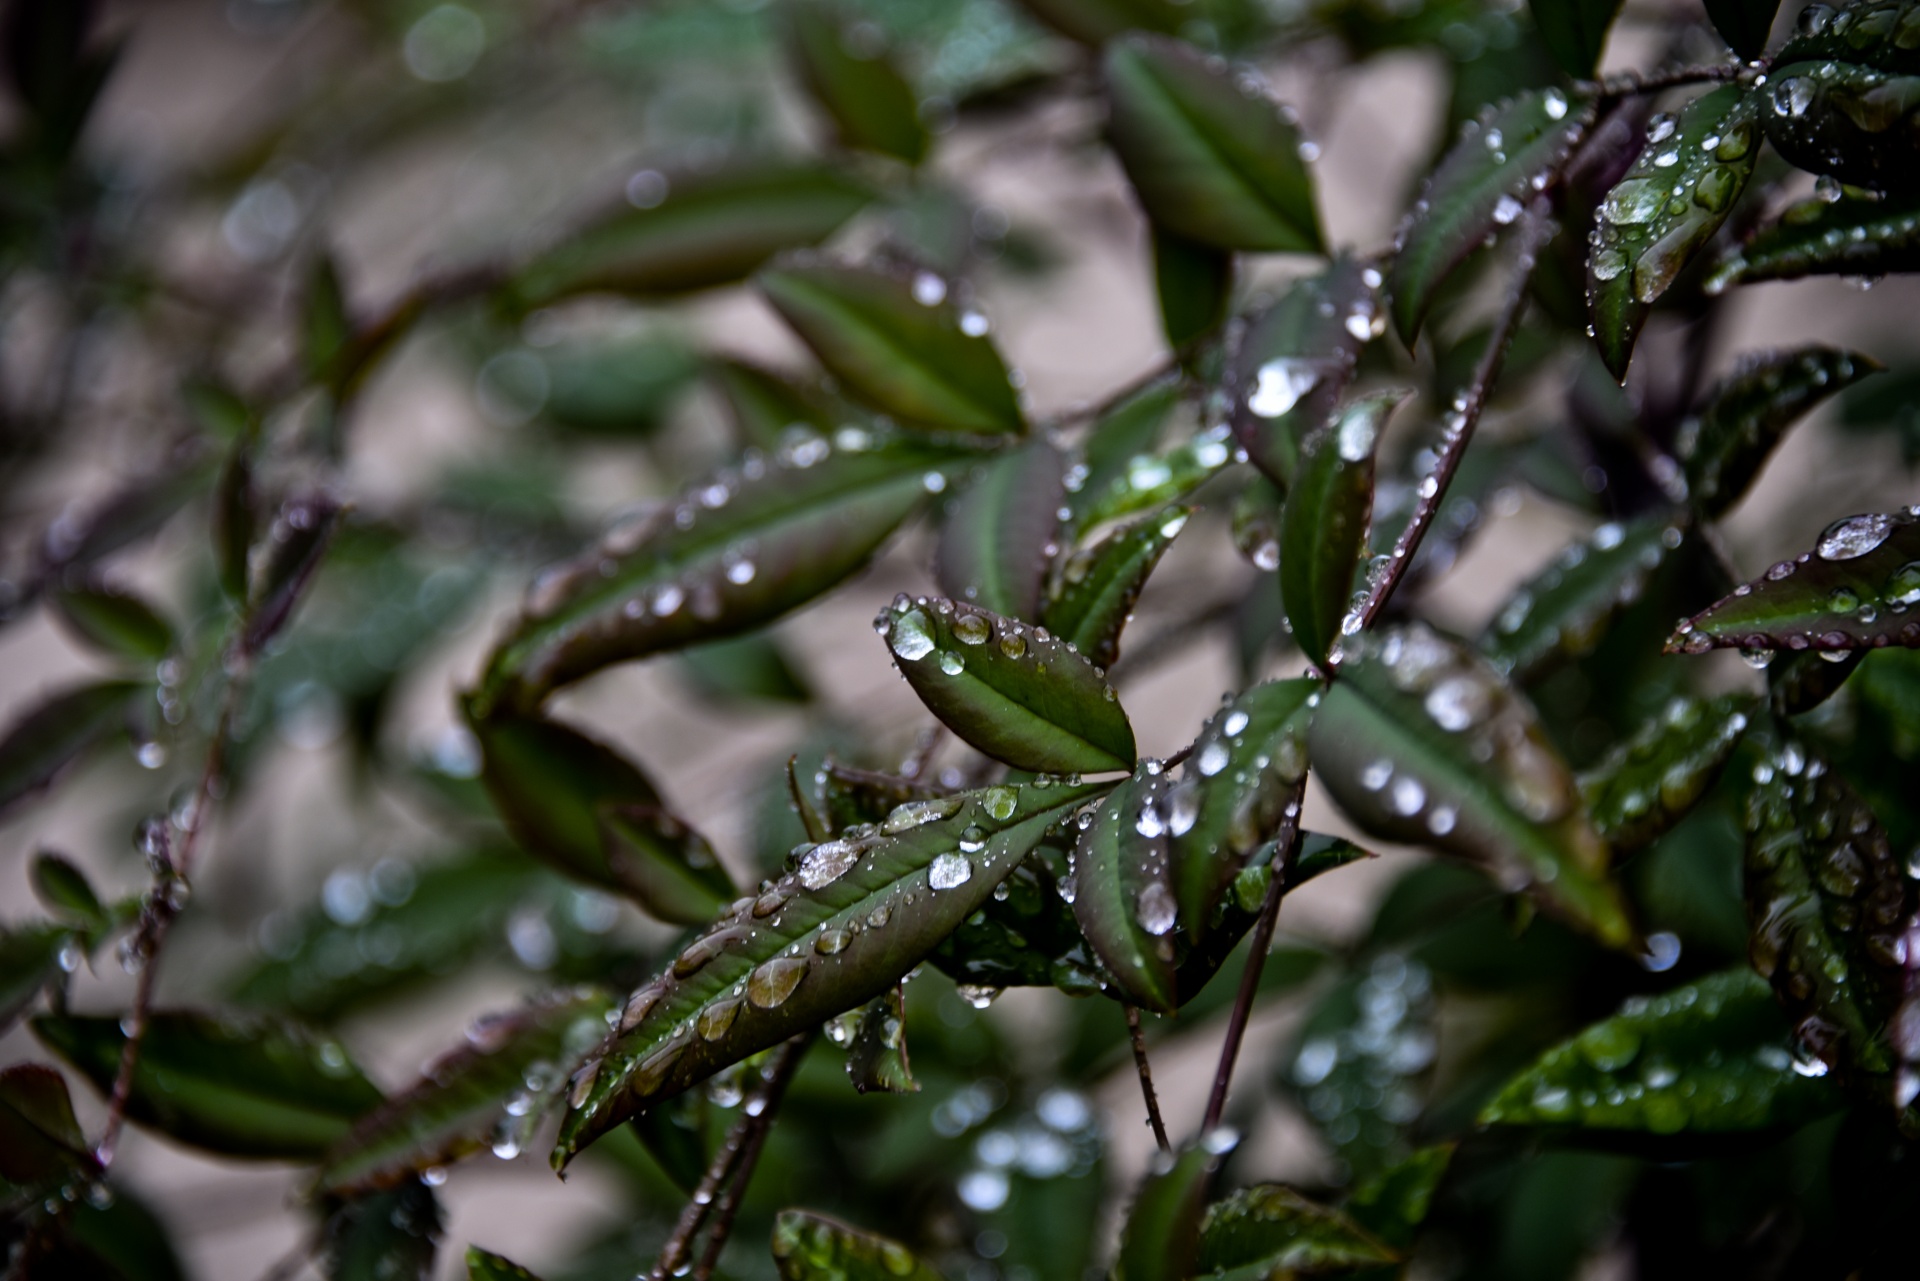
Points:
(972, 629)
(1506, 210)
(1374, 776)
(912, 814)
(1441, 819)
(951, 663)
(1001, 802)
(973, 323)
(1213, 758)
(828, 861)
(1150, 823)
(1903, 586)
(1154, 908)
(1236, 723)
(832, 942)
(1555, 103)
(929, 290)
(1013, 644)
(1408, 796)
(1853, 536)
(716, 1019)
(949, 870)
(771, 984)
(1458, 703)
(1281, 384)
(911, 635)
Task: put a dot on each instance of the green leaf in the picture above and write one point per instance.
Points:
(1127, 431)
(237, 1085)
(1123, 894)
(730, 554)
(1017, 693)
(1027, 939)
(483, 1265)
(1099, 585)
(1851, 236)
(234, 522)
(1194, 283)
(1724, 446)
(1323, 530)
(621, 386)
(389, 1236)
(1153, 480)
(1268, 1231)
(40, 745)
(994, 540)
(769, 408)
(877, 1059)
(1161, 1239)
(1801, 681)
(812, 1247)
(1852, 591)
(1212, 159)
(743, 668)
(1744, 24)
(1827, 902)
(1480, 185)
(125, 1236)
(40, 1140)
(578, 805)
(900, 344)
(29, 960)
(325, 328)
(856, 914)
(695, 233)
(301, 533)
(1575, 31)
(490, 1091)
(1666, 209)
(870, 103)
(1422, 741)
(116, 621)
(1094, 22)
(1394, 1203)
(64, 889)
(1713, 1057)
(1844, 120)
(1564, 611)
(1650, 782)
(1878, 34)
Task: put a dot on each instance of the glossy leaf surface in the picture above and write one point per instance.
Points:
(1127, 431)
(1099, 585)
(41, 744)
(115, 621)
(1323, 530)
(993, 543)
(1148, 481)
(877, 1059)
(766, 405)
(1850, 236)
(813, 1247)
(1564, 611)
(65, 889)
(1268, 1230)
(1123, 894)
(1845, 120)
(1394, 1203)
(1650, 782)
(870, 103)
(1575, 31)
(296, 542)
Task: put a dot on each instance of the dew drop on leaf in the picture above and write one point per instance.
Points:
(912, 636)
(1853, 537)
(949, 870)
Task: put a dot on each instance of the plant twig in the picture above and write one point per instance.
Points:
(1098, 408)
(1146, 1078)
(1632, 85)
(1289, 849)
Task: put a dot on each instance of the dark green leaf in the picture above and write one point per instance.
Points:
(1853, 591)
(299, 538)
(115, 621)
(1255, 519)
(1212, 158)
(1323, 531)
(218, 408)
(1152, 480)
(41, 744)
(1575, 31)
(1650, 782)
(578, 805)
(1194, 283)
(1879, 33)
(389, 1236)
(1161, 1239)
(1269, 1231)
(1393, 1204)
(1658, 217)
(483, 1265)
(754, 666)
(675, 1135)
(234, 521)
(1744, 24)
(1094, 22)
(40, 1140)
(994, 542)
(877, 1059)
(325, 327)
(1359, 1063)
(237, 1085)
(1713, 1057)
(1127, 431)
(1123, 894)
(872, 106)
(64, 888)
(1724, 446)
(1422, 741)
(694, 233)
(857, 914)
(1482, 184)
(1565, 610)
(812, 1247)
(29, 960)
(898, 343)
(1027, 939)
(491, 1091)
(1801, 681)
(767, 406)
(125, 1236)
(1851, 236)
(1017, 693)
(1099, 585)
(619, 386)
(1846, 121)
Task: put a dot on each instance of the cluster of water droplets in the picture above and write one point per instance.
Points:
(1058, 1137)
(914, 628)
(1361, 1079)
(1623, 561)
(1666, 765)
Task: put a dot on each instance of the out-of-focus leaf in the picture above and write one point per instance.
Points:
(754, 666)
(1851, 236)
(1153, 480)
(768, 407)
(812, 1247)
(29, 960)
(1665, 210)
(65, 889)
(302, 530)
(857, 913)
(1564, 611)
(1724, 446)
(483, 1265)
(993, 543)
(40, 1140)
(1482, 184)
(1844, 119)
(127, 516)
(1269, 1230)
(41, 744)
(1393, 1204)
(899, 343)
(1852, 591)
(325, 327)
(1575, 31)
(1123, 892)
(872, 106)
(1194, 283)
(1099, 585)
(1800, 681)
(116, 621)
(1210, 156)
(1094, 22)
(700, 232)
(1027, 939)
(1713, 1057)
(389, 1236)
(1015, 692)
(234, 521)
(1161, 1239)
(618, 386)
(1127, 431)
(728, 555)
(1744, 24)
(1422, 741)
(1877, 33)
(877, 1059)
(1323, 531)
(491, 1091)
(1649, 783)
(124, 1236)
(578, 805)
(248, 1086)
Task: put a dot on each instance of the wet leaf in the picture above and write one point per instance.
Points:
(1877, 33)
(29, 960)
(1194, 283)
(1422, 741)
(1094, 22)
(238, 1085)
(1393, 1204)
(1268, 1231)
(994, 541)
(578, 805)
(1564, 611)
(1724, 446)
(491, 1091)
(899, 343)
(1099, 585)
(1853, 591)
(40, 1140)
(115, 621)
(1027, 939)
(1015, 692)
(1482, 184)
(1123, 891)
(856, 914)
(870, 103)
(1744, 24)
(767, 405)
(1658, 217)
(1323, 530)
(1712, 1057)
(483, 1265)
(65, 889)
(1845, 120)
(702, 232)
(389, 1236)
(40, 745)
(1153, 480)
(1575, 31)
(1650, 782)
(1851, 236)
(812, 1247)
(1161, 1239)
(1801, 681)
(877, 1059)
(1210, 156)
(730, 554)
(1127, 431)
(296, 542)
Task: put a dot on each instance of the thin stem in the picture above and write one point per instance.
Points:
(1099, 408)
(729, 1203)
(1289, 845)
(1146, 1078)
(1536, 229)
(1631, 85)
(922, 755)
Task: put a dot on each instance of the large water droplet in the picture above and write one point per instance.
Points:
(972, 629)
(772, 983)
(827, 862)
(912, 814)
(928, 289)
(912, 635)
(949, 870)
(1001, 802)
(717, 1018)
(1213, 758)
(1281, 384)
(1458, 703)
(1154, 908)
(952, 664)
(1854, 536)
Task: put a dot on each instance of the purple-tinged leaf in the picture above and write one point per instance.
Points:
(1801, 681)
(1851, 236)
(1323, 529)
(1129, 430)
(1123, 894)
(999, 534)
(295, 545)
(42, 744)
(769, 408)
(116, 621)
(133, 513)
(877, 1058)
(388, 1236)
(813, 1247)
(1650, 782)
(1153, 480)
(871, 104)
(1845, 120)
(40, 1139)
(1877, 33)
(1270, 1230)
(1099, 585)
